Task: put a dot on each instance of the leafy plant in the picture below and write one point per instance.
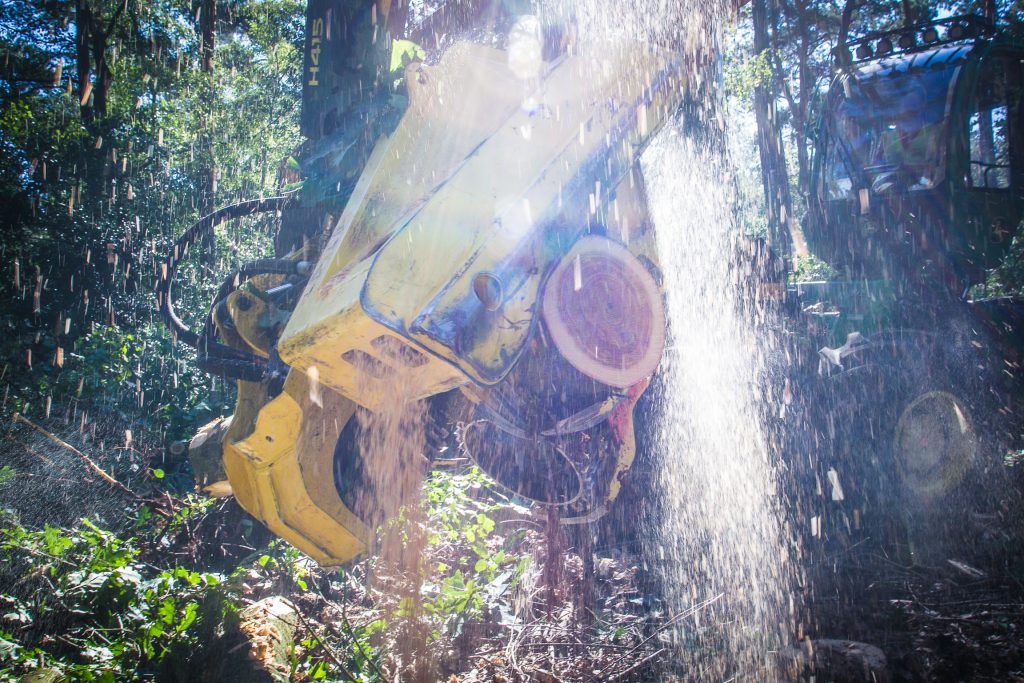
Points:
(744, 74)
(810, 268)
(485, 565)
(84, 601)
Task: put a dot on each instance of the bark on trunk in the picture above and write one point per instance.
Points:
(103, 77)
(208, 25)
(844, 22)
(798, 103)
(208, 28)
(91, 38)
(804, 73)
(774, 175)
(83, 24)
(991, 11)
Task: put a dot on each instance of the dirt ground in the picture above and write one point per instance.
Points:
(945, 601)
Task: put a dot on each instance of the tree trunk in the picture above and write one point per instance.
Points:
(798, 104)
(103, 77)
(396, 14)
(774, 176)
(208, 29)
(990, 11)
(83, 26)
(844, 23)
(91, 55)
(806, 88)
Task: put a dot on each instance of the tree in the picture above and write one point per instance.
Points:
(208, 28)
(95, 187)
(93, 31)
(775, 178)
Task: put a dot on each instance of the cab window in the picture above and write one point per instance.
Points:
(895, 124)
(838, 181)
(988, 129)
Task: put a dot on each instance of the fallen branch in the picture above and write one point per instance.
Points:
(39, 456)
(81, 456)
(638, 665)
(682, 615)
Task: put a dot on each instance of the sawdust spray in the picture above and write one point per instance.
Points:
(721, 540)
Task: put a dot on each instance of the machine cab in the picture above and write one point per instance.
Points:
(919, 167)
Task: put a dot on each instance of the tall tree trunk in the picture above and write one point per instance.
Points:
(806, 88)
(83, 27)
(208, 29)
(908, 13)
(990, 11)
(94, 81)
(774, 176)
(91, 55)
(103, 77)
(396, 15)
(844, 28)
(798, 104)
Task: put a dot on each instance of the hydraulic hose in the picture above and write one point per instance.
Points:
(268, 266)
(213, 356)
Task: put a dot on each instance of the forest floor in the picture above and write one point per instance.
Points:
(946, 601)
(470, 588)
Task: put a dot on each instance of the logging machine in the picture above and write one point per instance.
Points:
(917, 191)
(469, 237)
(471, 234)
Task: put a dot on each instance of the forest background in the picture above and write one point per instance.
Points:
(121, 123)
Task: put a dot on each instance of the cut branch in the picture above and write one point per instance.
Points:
(96, 469)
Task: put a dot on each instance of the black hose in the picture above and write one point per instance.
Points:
(213, 356)
(273, 266)
(268, 266)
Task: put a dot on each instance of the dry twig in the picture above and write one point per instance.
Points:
(96, 469)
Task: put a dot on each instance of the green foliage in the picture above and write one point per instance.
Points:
(467, 573)
(356, 646)
(92, 203)
(810, 268)
(96, 604)
(282, 560)
(1008, 278)
(744, 74)
(105, 613)
(460, 509)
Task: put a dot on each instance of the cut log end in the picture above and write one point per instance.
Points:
(605, 313)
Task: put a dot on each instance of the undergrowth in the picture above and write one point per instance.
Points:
(90, 604)
(84, 602)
